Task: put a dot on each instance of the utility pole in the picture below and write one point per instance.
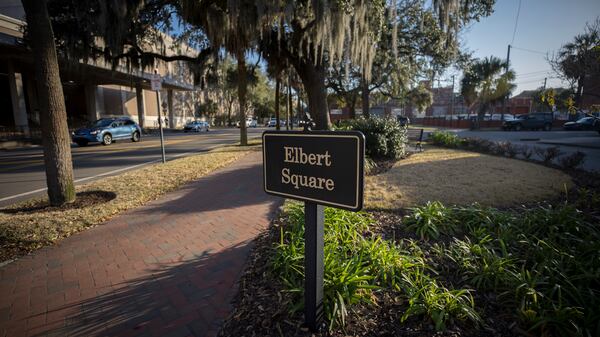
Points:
(505, 96)
(545, 81)
(452, 102)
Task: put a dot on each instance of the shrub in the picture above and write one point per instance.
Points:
(525, 151)
(479, 145)
(547, 155)
(444, 138)
(572, 161)
(384, 137)
(430, 220)
(507, 149)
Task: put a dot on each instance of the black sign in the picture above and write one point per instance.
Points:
(324, 167)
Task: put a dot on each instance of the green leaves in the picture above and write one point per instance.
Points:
(542, 261)
(384, 137)
(356, 265)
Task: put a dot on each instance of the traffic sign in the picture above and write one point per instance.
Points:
(155, 82)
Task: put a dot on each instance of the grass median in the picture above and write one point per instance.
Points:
(462, 177)
(32, 224)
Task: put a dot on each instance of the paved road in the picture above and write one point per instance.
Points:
(22, 172)
(569, 142)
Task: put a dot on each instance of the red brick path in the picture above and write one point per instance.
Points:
(166, 269)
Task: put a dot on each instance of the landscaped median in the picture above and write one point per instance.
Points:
(463, 177)
(425, 259)
(32, 224)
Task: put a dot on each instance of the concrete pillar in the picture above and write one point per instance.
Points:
(141, 104)
(34, 107)
(99, 101)
(17, 96)
(91, 104)
(171, 112)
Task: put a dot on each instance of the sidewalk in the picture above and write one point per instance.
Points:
(165, 269)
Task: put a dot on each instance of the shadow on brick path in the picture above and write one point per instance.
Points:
(168, 268)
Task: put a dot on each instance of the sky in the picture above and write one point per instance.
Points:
(543, 27)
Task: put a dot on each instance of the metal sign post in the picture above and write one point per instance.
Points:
(320, 168)
(156, 85)
(314, 219)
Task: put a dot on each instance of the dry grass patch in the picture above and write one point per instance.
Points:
(32, 224)
(461, 177)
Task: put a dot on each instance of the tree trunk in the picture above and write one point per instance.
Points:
(579, 92)
(242, 87)
(229, 108)
(365, 92)
(289, 126)
(313, 80)
(277, 94)
(300, 114)
(53, 114)
(352, 109)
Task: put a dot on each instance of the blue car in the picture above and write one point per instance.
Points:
(106, 130)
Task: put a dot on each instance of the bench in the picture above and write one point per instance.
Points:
(416, 136)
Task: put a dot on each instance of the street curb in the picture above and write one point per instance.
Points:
(572, 145)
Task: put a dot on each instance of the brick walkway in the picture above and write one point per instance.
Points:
(166, 269)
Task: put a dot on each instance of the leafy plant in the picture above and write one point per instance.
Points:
(547, 155)
(384, 137)
(573, 160)
(356, 265)
(431, 220)
(526, 151)
(444, 138)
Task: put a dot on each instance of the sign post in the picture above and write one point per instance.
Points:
(321, 168)
(313, 264)
(156, 85)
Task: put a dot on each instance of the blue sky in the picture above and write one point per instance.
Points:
(543, 26)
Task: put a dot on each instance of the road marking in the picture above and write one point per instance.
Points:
(115, 171)
(88, 154)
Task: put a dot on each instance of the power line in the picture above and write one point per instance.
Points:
(532, 51)
(516, 23)
(534, 72)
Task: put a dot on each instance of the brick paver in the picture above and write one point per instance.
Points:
(165, 269)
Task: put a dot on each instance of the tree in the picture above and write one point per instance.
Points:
(486, 82)
(53, 115)
(579, 59)
(420, 97)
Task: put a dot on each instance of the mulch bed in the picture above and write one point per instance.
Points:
(84, 199)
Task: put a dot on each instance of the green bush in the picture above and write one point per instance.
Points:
(444, 138)
(384, 137)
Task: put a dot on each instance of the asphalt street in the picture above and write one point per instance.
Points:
(569, 142)
(22, 174)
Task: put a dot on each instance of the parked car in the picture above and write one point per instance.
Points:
(106, 130)
(196, 126)
(532, 121)
(250, 123)
(403, 120)
(586, 123)
(273, 122)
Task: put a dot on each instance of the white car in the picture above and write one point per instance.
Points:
(250, 123)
